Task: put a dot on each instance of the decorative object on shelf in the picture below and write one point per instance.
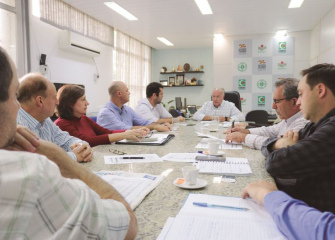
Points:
(186, 67)
(173, 70)
(164, 82)
(199, 82)
(179, 68)
(163, 69)
(187, 82)
(180, 80)
(194, 81)
(172, 81)
(201, 67)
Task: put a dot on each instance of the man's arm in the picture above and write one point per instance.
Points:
(108, 119)
(70, 169)
(25, 140)
(200, 114)
(294, 218)
(235, 114)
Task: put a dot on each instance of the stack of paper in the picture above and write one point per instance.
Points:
(132, 186)
(207, 223)
(232, 166)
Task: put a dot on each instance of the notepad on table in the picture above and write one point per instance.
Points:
(202, 223)
(232, 166)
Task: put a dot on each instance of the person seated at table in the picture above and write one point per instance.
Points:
(308, 155)
(38, 99)
(285, 98)
(294, 218)
(226, 111)
(151, 108)
(50, 197)
(115, 115)
(71, 110)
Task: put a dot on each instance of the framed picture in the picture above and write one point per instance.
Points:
(164, 82)
(172, 81)
(180, 80)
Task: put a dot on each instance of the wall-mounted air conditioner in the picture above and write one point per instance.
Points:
(79, 44)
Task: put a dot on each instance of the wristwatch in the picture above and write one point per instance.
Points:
(226, 119)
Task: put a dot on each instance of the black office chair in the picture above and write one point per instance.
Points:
(173, 112)
(234, 97)
(260, 117)
(192, 108)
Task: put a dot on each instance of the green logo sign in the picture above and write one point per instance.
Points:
(242, 66)
(282, 45)
(261, 84)
(241, 83)
(261, 100)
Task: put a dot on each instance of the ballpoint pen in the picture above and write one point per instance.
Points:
(232, 125)
(132, 157)
(202, 204)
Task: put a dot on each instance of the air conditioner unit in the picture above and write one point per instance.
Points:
(79, 44)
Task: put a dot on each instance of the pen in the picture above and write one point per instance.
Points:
(232, 125)
(202, 204)
(132, 157)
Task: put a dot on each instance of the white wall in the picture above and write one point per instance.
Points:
(323, 40)
(195, 57)
(68, 67)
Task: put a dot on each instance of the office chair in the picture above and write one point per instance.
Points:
(192, 108)
(179, 105)
(234, 97)
(260, 117)
(173, 112)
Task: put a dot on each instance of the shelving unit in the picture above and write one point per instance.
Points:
(182, 73)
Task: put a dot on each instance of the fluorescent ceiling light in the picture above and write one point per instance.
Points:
(218, 37)
(281, 33)
(117, 8)
(204, 7)
(165, 41)
(295, 3)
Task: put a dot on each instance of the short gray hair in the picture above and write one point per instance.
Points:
(114, 87)
(290, 87)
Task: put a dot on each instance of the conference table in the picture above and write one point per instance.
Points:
(166, 199)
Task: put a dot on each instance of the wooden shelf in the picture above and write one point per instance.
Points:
(199, 85)
(181, 72)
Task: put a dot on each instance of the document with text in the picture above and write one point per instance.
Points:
(232, 166)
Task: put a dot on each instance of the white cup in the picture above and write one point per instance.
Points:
(205, 130)
(214, 126)
(213, 147)
(190, 174)
(175, 124)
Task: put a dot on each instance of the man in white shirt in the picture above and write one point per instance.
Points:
(53, 198)
(285, 97)
(151, 108)
(226, 111)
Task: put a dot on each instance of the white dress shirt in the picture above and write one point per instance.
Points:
(226, 109)
(148, 112)
(258, 135)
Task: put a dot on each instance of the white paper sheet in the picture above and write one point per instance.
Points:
(204, 144)
(118, 159)
(232, 166)
(160, 138)
(181, 157)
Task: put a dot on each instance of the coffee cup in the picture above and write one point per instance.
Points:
(190, 174)
(205, 130)
(213, 147)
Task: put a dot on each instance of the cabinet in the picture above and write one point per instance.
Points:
(178, 79)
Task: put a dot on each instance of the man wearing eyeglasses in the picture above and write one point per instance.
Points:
(308, 155)
(285, 98)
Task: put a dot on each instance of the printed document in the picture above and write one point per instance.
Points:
(138, 158)
(232, 166)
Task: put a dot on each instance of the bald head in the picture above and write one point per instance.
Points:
(119, 93)
(32, 85)
(217, 96)
(116, 86)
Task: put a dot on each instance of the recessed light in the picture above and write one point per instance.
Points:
(218, 37)
(204, 7)
(281, 33)
(120, 10)
(295, 3)
(165, 41)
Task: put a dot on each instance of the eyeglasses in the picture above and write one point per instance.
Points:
(117, 152)
(275, 101)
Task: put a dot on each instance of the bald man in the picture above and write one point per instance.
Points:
(226, 111)
(115, 115)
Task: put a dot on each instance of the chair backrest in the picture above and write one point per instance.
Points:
(260, 117)
(173, 112)
(179, 105)
(192, 108)
(234, 97)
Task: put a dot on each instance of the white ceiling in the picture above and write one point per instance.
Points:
(181, 22)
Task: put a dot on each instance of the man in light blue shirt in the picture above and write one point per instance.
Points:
(294, 218)
(38, 100)
(117, 116)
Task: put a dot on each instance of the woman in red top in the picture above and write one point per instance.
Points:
(71, 111)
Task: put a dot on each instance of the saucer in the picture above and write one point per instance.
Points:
(200, 184)
(219, 153)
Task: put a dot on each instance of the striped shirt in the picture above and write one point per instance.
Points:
(258, 136)
(226, 109)
(48, 131)
(38, 203)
